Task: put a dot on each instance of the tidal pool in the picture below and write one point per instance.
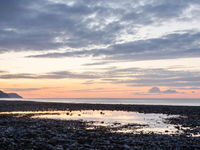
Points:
(115, 121)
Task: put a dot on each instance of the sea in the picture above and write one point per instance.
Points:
(144, 101)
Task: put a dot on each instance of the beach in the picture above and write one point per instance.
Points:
(23, 131)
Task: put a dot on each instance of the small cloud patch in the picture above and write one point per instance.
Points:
(157, 90)
(154, 90)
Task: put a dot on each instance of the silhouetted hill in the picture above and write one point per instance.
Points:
(9, 95)
(14, 95)
(3, 95)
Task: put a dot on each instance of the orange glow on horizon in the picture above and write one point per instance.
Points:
(74, 89)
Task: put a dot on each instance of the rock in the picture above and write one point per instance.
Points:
(126, 146)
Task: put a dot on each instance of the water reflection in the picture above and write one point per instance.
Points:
(115, 121)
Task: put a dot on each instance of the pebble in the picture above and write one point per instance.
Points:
(26, 133)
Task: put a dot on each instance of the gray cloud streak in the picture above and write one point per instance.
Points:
(177, 45)
(29, 89)
(129, 76)
(51, 75)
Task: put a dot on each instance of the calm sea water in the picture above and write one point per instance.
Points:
(176, 102)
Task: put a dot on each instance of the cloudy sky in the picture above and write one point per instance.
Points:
(100, 48)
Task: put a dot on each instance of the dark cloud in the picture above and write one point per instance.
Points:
(17, 76)
(157, 90)
(154, 90)
(170, 91)
(50, 75)
(177, 45)
(42, 25)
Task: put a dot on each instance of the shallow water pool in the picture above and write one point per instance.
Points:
(115, 121)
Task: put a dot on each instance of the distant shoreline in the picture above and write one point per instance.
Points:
(124, 101)
(7, 106)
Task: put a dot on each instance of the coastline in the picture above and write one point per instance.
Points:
(126, 101)
(20, 105)
(25, 132)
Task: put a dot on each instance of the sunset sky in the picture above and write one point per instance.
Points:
(100, 48)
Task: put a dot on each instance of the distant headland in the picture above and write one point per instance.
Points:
(9, 95)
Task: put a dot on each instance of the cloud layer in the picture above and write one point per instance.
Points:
(167, 47)
(129, 76)
(77, 26)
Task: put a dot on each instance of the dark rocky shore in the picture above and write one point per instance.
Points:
(26, 133)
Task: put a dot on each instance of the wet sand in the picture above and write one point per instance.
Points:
(27, 133)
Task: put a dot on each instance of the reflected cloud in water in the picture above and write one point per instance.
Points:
(115, 121)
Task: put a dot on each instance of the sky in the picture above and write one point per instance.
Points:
(100, 48)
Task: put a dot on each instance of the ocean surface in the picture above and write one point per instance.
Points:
(174, 102)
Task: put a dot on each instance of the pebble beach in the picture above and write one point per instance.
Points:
(24, 132)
